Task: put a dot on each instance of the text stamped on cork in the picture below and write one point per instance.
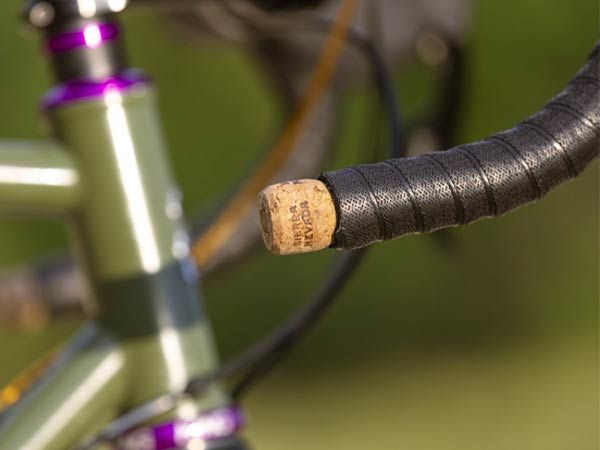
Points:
(302, 225)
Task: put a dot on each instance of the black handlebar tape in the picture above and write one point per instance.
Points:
(389, 199)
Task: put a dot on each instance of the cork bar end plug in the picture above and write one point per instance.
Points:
(297, 217)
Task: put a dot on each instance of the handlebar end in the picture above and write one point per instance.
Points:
(297, 217)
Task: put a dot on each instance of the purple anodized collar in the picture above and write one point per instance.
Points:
(92, 35)
(77, 90)
(210, 426)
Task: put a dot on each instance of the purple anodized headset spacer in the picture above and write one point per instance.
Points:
(210, 426)
(92, 35)
(77, 90)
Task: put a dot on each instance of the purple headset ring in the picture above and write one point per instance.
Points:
(92, 35)
(78, 90)
(210, 426)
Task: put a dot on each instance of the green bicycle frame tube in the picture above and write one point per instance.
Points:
(129, 221)
(37, 177)
(130, 239)
(80, 396)
(124, 213)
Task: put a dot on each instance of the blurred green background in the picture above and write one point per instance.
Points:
(493, 346)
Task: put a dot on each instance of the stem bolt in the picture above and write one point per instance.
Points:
(41, 14)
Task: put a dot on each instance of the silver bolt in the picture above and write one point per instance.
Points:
(41, 15)
(180, 247)
(173, 207)
(117, 5)
(432, 49)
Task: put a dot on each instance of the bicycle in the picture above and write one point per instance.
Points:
(66, 189)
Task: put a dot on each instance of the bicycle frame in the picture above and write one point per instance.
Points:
(107, 176)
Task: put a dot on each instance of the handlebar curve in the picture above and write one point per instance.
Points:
(389, 199)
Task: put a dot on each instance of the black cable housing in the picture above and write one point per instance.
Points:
(389, 199)
(272, 349)
(275, 346)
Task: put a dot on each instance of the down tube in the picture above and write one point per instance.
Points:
(77, 398)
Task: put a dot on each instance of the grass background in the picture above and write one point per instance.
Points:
(494, 346)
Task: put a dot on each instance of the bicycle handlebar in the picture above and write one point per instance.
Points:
(382, 201)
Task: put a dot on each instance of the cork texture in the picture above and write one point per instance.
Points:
(297, 217)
